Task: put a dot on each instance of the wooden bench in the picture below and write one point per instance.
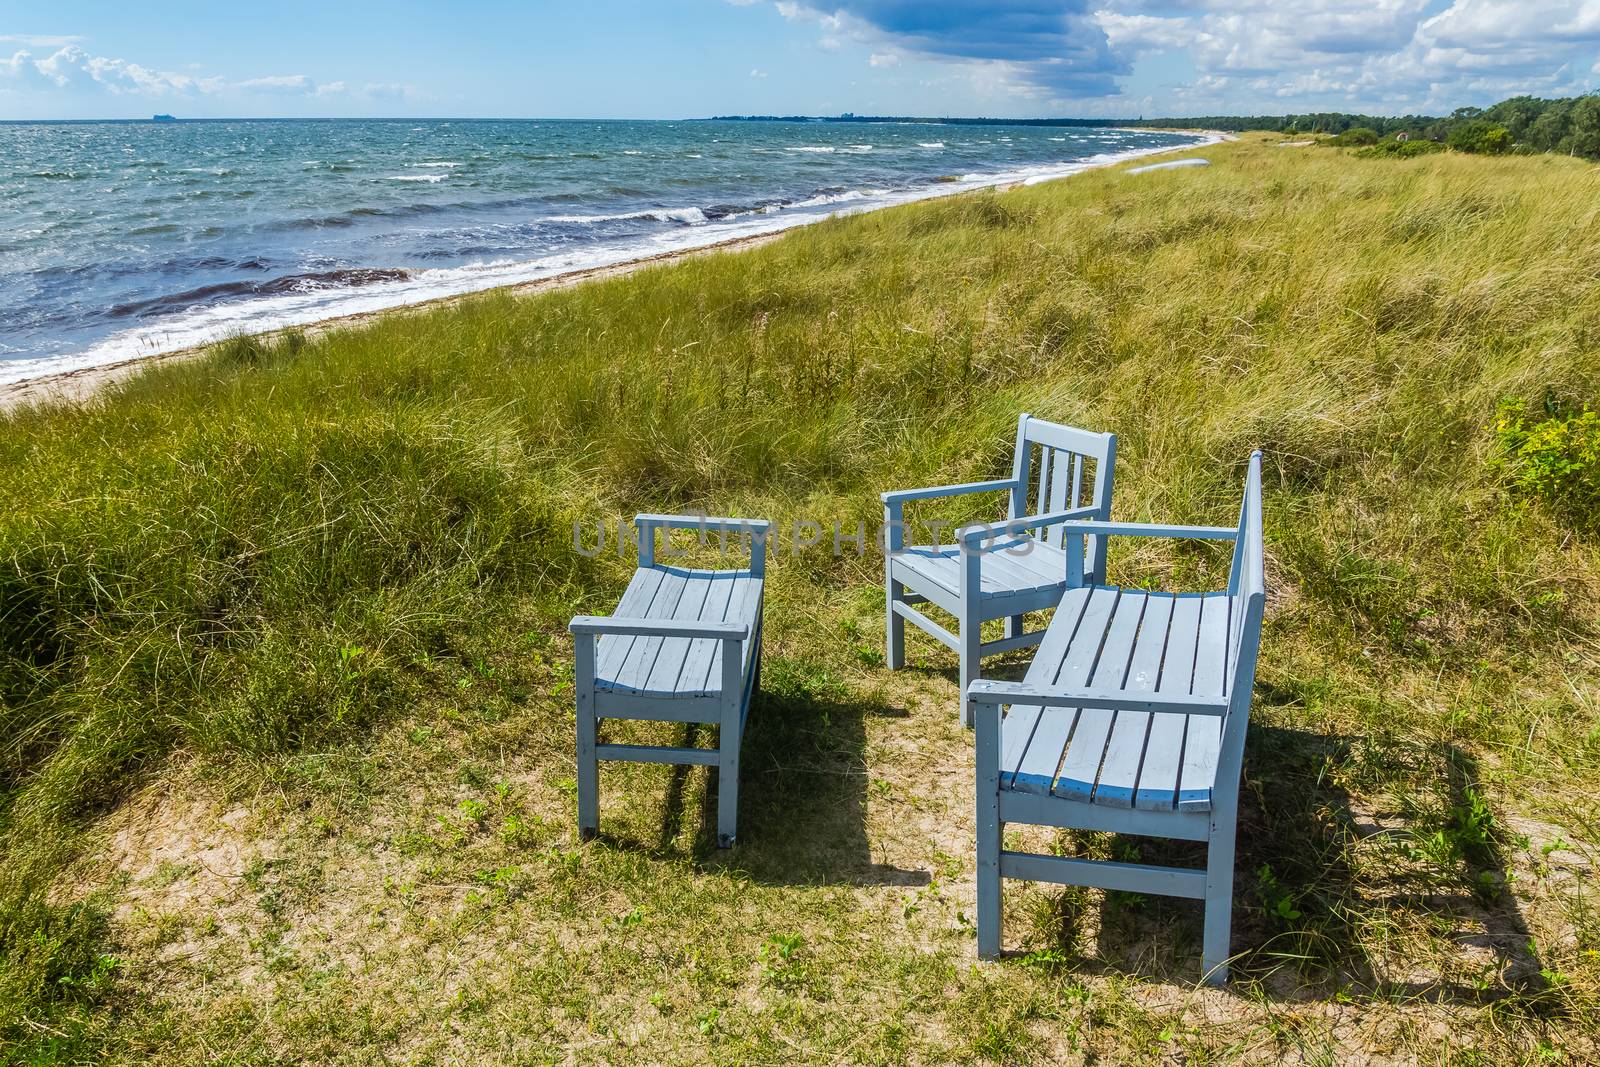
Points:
(684, 646)
(1005, 577)
(1130, 720)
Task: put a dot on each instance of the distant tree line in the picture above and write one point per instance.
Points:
(1569, 125)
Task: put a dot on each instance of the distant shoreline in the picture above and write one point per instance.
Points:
(79, 384)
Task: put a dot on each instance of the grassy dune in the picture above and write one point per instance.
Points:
(285, 737)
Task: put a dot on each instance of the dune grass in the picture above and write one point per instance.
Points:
(300, 605)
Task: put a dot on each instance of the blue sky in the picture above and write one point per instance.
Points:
(683, 58)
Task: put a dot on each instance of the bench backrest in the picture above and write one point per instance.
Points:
(1248, 592)
(1058, 467)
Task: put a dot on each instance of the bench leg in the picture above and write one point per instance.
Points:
(972, 659)
(971, 634)
(728, 789)
(588, 730)
(729, 737)
(1215, 943)
(895, 623)
(988, 791)
(1014, 626)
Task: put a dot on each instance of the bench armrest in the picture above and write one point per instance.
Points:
(619, 625)
(755, 528)
(1153, 529)
(702, 522)
(996, 693)
(900, 496)
(977, 533)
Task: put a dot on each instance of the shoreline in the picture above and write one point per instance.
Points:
(77, 385)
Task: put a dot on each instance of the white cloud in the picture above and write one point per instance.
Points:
(1380, 55)
(884, 59)
(756, 72)
(72, 69)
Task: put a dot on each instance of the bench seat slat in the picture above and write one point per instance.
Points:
(704, 676)
(1032, 736)
(1080, 765)
(697, 665)
(1158, 774)
(635, 668)
(1032, 562)
(1002, 574)
(1203, 739)
(636, 600)
(677, 667)
(624, 656)
(1125, 750)
(674, 651)
(747, 600)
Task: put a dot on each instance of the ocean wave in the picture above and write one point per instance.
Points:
(843, 196)
(416, 178)
(930, 144)
(688, 216)
(822, 148)
(292, 283)
(445, 164)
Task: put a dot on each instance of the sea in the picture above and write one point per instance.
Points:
(124, 239)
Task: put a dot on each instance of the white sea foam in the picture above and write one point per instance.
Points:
(841, 198)
(930, 144)
(632, 152)
(811, 148)
(416, 177)
(436, 164)
(206, 324)
(692, 216)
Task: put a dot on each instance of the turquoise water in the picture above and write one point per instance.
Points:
(123, 239)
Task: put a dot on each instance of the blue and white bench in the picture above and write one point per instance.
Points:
(684, 646)
(1130, 720)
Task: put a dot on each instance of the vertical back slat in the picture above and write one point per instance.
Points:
(1019, 470)
(1044, 480)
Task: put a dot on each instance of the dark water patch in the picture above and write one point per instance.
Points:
(294, 283)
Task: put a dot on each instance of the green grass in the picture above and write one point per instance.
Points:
(285, 737)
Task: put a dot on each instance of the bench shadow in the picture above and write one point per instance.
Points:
(803, 791)
(1300, 898)
(803, 786)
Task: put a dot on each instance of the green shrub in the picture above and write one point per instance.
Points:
(1554, 458)
(1400, 149)
(1353, 137)
(1483, 138)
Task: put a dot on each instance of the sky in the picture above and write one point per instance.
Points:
(692, 58)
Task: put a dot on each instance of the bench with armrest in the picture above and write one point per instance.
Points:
(1132, 720)
(683, 646)
(1027, 563)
